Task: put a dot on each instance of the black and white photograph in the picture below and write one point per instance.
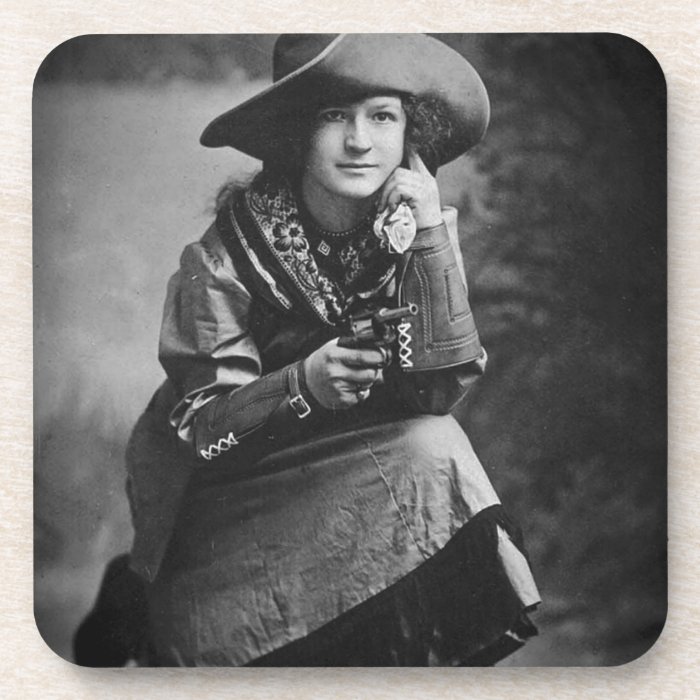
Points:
(350, 350)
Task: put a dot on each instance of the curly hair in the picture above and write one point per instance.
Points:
(428, 128)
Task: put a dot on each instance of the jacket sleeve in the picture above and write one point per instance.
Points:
(210, 357)
(439, 349)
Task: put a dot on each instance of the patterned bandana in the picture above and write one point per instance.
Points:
(357, 269)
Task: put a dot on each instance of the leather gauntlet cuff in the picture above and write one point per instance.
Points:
(272, 408)
(443, 333)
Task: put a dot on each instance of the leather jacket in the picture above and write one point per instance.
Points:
(446, 355)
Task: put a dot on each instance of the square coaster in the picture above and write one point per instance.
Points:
(503, 502)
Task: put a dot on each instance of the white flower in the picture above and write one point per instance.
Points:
(396, 230)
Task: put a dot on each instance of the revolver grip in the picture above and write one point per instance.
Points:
(348, 341)
(353, 343)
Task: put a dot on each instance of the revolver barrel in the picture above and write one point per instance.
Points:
(389, 315)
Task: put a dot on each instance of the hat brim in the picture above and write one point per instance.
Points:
(355, 64)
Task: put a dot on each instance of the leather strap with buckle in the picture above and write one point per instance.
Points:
(296, 399)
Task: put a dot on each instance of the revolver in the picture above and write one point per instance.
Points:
(371, 329)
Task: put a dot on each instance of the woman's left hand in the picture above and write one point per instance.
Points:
(418, 188)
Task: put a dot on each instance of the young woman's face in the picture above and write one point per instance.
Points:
(355, 147)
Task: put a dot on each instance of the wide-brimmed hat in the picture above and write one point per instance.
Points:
(309, 67)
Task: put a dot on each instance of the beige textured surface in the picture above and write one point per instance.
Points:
(33, 27)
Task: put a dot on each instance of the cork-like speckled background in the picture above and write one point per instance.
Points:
(32, 29)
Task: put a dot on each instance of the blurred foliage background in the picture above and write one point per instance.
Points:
(563, 224)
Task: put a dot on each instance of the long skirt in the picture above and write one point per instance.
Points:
(370, 546)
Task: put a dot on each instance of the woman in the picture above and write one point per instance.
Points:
(299, 500)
